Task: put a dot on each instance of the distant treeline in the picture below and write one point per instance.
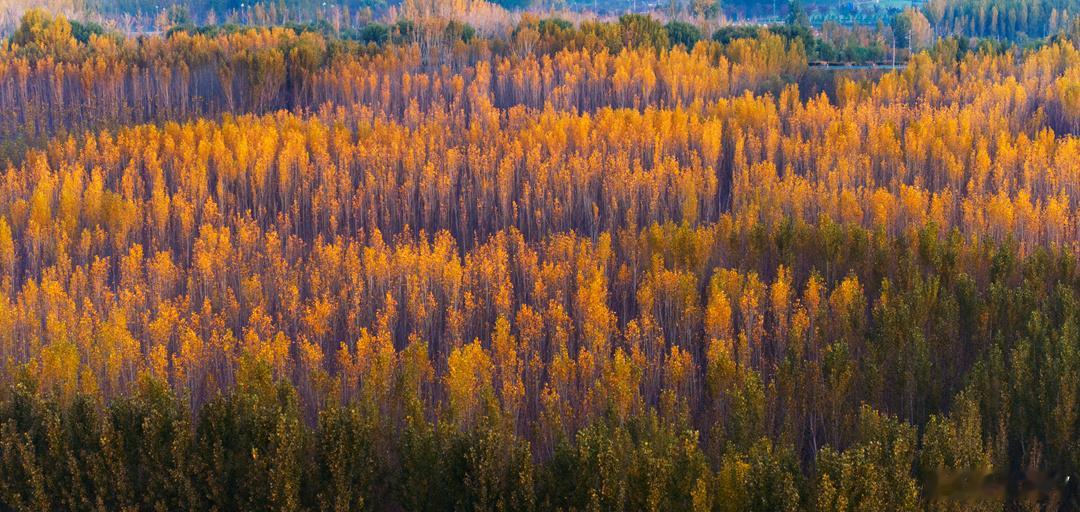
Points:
(199, 9)
(1005, 19)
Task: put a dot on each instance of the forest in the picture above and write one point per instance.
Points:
(474, 259)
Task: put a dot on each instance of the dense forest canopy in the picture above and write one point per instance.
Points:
(450, 256)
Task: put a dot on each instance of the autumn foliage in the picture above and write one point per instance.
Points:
(537, 271)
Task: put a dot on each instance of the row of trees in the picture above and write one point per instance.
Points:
(51, 83)
(250, 449)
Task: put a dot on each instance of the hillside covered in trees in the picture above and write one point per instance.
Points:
(601, 264)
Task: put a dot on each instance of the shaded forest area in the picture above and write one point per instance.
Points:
(576, 266)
